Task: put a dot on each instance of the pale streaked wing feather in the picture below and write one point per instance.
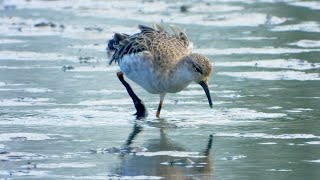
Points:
(166, 49)
(158, 27)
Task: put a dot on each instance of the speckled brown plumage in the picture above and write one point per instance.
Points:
(165, 48)
(159, 62)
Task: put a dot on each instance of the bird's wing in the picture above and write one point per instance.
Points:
(164, 48)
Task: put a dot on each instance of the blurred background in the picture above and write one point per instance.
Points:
(65, 115)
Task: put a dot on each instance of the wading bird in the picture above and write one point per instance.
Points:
(159, 62)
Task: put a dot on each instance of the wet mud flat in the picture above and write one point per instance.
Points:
(65, 115)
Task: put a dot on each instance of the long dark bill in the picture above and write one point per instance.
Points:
(206, 90)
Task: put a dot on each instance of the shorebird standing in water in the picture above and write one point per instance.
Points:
(158, 62)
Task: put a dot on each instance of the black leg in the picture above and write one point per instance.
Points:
(138, 104)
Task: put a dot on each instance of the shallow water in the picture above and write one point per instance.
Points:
(64, 114)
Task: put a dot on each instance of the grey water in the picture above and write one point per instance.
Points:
(65, 115)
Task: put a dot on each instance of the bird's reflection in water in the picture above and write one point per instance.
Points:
(165, 165)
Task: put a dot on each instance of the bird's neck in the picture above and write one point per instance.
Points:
(181, 73)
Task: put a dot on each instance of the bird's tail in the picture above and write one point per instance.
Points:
(114, 45)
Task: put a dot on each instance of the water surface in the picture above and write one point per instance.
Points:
(65, 115)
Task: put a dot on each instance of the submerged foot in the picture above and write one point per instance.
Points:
(141, 109)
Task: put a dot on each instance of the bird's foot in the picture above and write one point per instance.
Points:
(141, 109)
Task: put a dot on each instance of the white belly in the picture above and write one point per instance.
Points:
(141, 71)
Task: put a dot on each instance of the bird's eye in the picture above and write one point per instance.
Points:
(198, 70)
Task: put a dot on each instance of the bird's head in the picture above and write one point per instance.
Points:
(200, 68)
